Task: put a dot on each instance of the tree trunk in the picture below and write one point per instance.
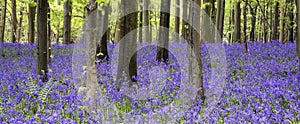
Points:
(67, 22)
(117, 31)
(42, 50)
(3, 19)
(195, 51)
(177, 20)
(220, 17)
(146, 21)
(185, 17)
(163, 42)
(253, 23)
(49, 34)
(31, 21)
(20, 25)
(276, 22)
(13, 21)
(128, 47)
(281, 33)
(102, 53)
(245, 27)
(141, 23)
(298, 30)
(237, 23)
(291, 24)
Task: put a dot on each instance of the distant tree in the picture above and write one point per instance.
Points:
(253, 11)
(141, 22)
(31, 20)
(237, 22)
(147, 21)
(19, 33)
(3, 19)
(282, 26)
(276, 21)
(127, 58)
(220, 16)
(245, 26)
(177, 20)
(184, 26)
(42, 50)
(13, 21)
(298, 28)
(67, 22)
(101, 50)
(162, 52)
(291, 20)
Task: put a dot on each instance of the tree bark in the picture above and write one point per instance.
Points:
(163, 42)
(177, 20)
(42, 50)
(237, 23)
(20, 33)
(128, 46)
(102, 53)
(31, 21)
(291, 20)
(282, 27)
(298, 30)
(141, 23)
(67, 22)
(245, 27)
(221, 23)
(184, 24)
(3, 19)
(13, 21)
(146, 21)
(276, 22)
(253, 23)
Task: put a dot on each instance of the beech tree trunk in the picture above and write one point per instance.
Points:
(245, 26)
(67, 22)
(3, 19)
(31, 25)
(177, 20)
(13, 21)
(20, 33)
(162, 52)
(42, 49)
(237, 23)
(127, 57)
(282, 26)
(146, 21)
(276, 22)
(298, 30)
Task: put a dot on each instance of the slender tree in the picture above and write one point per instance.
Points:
(3, 19)
(141, 22)
(67, 22)
(184, 28)
(31, 20)
(298, 29)
(245, 26)
(13, 21)
(147, 21)
(101, 50)
(291, 20)
(19, 34)
(237, 22)
(282, 26)
(177, 20)
(253, 10)
(162, 52)
(220, 16)
(195, 51)
(42, 49)
(127, 56)
(276, 21)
